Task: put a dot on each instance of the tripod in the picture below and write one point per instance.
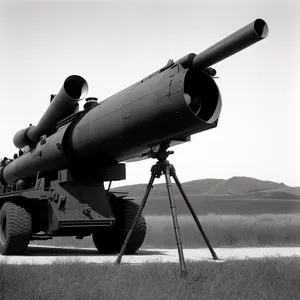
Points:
(163, 166)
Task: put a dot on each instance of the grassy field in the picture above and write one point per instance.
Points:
(251, 279)
(223, 205)
(222, 230)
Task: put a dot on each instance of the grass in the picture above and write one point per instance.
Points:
(223, 205)
(276, 278)
(222, 230)
(251, 279)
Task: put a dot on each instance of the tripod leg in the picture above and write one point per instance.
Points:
(183, 270)
(214, 255)
(136, 218)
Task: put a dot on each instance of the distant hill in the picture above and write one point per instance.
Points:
(193, 188)
(235, 186)
(235, 196)
(280, 193)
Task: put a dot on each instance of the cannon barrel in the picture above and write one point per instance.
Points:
(62, 105)
(237, 41)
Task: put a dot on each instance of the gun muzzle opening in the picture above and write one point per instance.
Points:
(76, 87)
(261, 28)
(202, 96)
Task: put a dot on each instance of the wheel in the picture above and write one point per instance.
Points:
(110, 240)
(15, 229)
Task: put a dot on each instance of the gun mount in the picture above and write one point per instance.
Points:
(55, 186)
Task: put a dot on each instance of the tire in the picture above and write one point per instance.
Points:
(15, 229)
(110, 240)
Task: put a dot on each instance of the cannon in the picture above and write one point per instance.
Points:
(54, 185)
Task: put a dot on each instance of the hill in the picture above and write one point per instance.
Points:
(286, 192)
(193, 188)
(235, 196)
(238, 186)
(235, 186)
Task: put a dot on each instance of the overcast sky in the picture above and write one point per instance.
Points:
(113, 44)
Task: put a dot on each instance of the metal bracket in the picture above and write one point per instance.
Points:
(61, 204)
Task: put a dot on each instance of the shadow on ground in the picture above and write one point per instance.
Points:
(60, 251)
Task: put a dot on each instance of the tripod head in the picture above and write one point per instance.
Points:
(162, 166)
(160, 152)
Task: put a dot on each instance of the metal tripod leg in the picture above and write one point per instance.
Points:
(137, 216)
(183, 270)
(173, 174)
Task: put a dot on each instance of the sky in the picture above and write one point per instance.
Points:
(113, 44)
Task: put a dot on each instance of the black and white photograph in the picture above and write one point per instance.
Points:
(150, 149)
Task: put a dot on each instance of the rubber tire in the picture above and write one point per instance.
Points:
(110, 240)
(15, 229)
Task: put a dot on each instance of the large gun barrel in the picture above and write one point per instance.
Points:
(62, 105)
(237, 41)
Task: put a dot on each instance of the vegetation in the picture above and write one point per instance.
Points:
(222, 230)
(223, 205)
(251, 279)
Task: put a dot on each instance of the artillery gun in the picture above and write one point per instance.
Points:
(54, 186)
